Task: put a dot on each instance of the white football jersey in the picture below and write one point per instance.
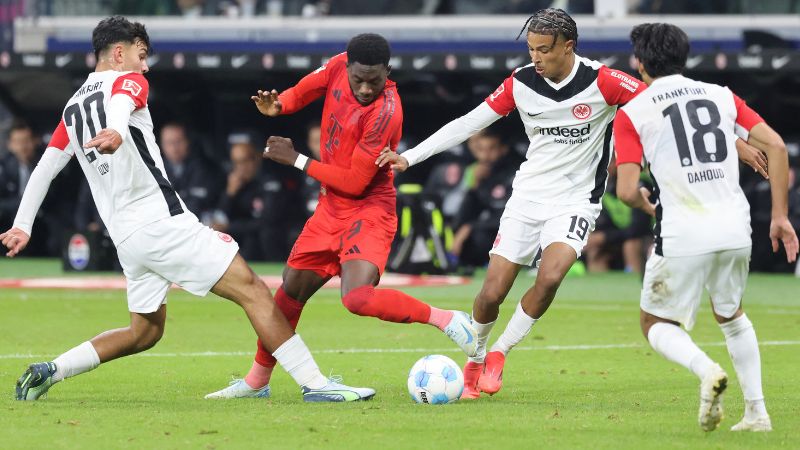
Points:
(686, 131)
(569, 127)
(130, 186)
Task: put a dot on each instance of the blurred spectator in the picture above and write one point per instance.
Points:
(682, 7)
(191, 8)
(253, 206)
(446, 183)
(247, 8)
(757, 191)
(195, 181)
(15, 171)
(617, 241)
(310, 186)
(523, 6)
(144, 7)
(9, 9)
(489, 181)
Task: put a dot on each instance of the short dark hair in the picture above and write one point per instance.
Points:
(662, 48)
(552, 21)
(19, 124)
(368, 49)
(118, 29)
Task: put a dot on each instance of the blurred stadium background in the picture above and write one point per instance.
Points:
(211, 55)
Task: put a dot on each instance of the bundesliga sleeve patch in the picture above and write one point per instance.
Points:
(131, 86)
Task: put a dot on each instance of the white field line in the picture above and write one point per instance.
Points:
(407, 350)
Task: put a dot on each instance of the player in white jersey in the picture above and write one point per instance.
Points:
(567, 104)
(159, 242)
(685, 129)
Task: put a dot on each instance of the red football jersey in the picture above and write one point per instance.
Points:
(351, 138)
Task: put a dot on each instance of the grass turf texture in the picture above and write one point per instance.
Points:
(554, 396)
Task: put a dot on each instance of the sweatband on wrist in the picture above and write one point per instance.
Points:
(301, 162)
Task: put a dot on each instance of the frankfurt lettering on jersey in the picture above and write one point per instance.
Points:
(87, 88)
(146, 195)
(674, 94)
(685, 130)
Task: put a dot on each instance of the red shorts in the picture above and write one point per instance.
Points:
(327, 242)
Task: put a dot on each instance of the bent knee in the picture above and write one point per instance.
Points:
(147, 337)
(493, 293)
(357, 299)
(550, 281)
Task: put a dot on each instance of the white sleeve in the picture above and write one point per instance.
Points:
(49, 166)
(455, 132)
(118, 113)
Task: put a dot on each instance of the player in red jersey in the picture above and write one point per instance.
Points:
(351, 231)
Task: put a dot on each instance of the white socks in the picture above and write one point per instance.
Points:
(743, 348)
(518, 327)
(295, 357)
(673, 343)
(483, 330)
(76, 361)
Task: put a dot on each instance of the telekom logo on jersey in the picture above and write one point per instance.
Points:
(131, 86)
(497, 92)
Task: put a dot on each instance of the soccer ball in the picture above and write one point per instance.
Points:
(436, 380)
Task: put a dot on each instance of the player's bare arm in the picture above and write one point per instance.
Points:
(753, 157)
(397, 162)
(763, 137)
(15, 241)
(281, 150)
(106, 142)
(267, 103)
(628, 189)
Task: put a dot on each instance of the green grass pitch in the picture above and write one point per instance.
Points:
(613, 393)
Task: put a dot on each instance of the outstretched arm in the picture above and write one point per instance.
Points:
(498, 104)
(55, 158)
(308, 89)
(454, 133)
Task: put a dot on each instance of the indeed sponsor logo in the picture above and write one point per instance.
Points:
(564, 131)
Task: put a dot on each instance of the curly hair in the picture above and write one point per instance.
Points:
(552, 21)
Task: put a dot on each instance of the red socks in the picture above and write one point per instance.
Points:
(261, 371)
(387, 304)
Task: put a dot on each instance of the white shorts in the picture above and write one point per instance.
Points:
(527, 228)
(177, 250)
(673, 285)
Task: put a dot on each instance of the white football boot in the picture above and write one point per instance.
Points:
(239, 389)
(461, 331)
(711, 389)
(758, 424)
